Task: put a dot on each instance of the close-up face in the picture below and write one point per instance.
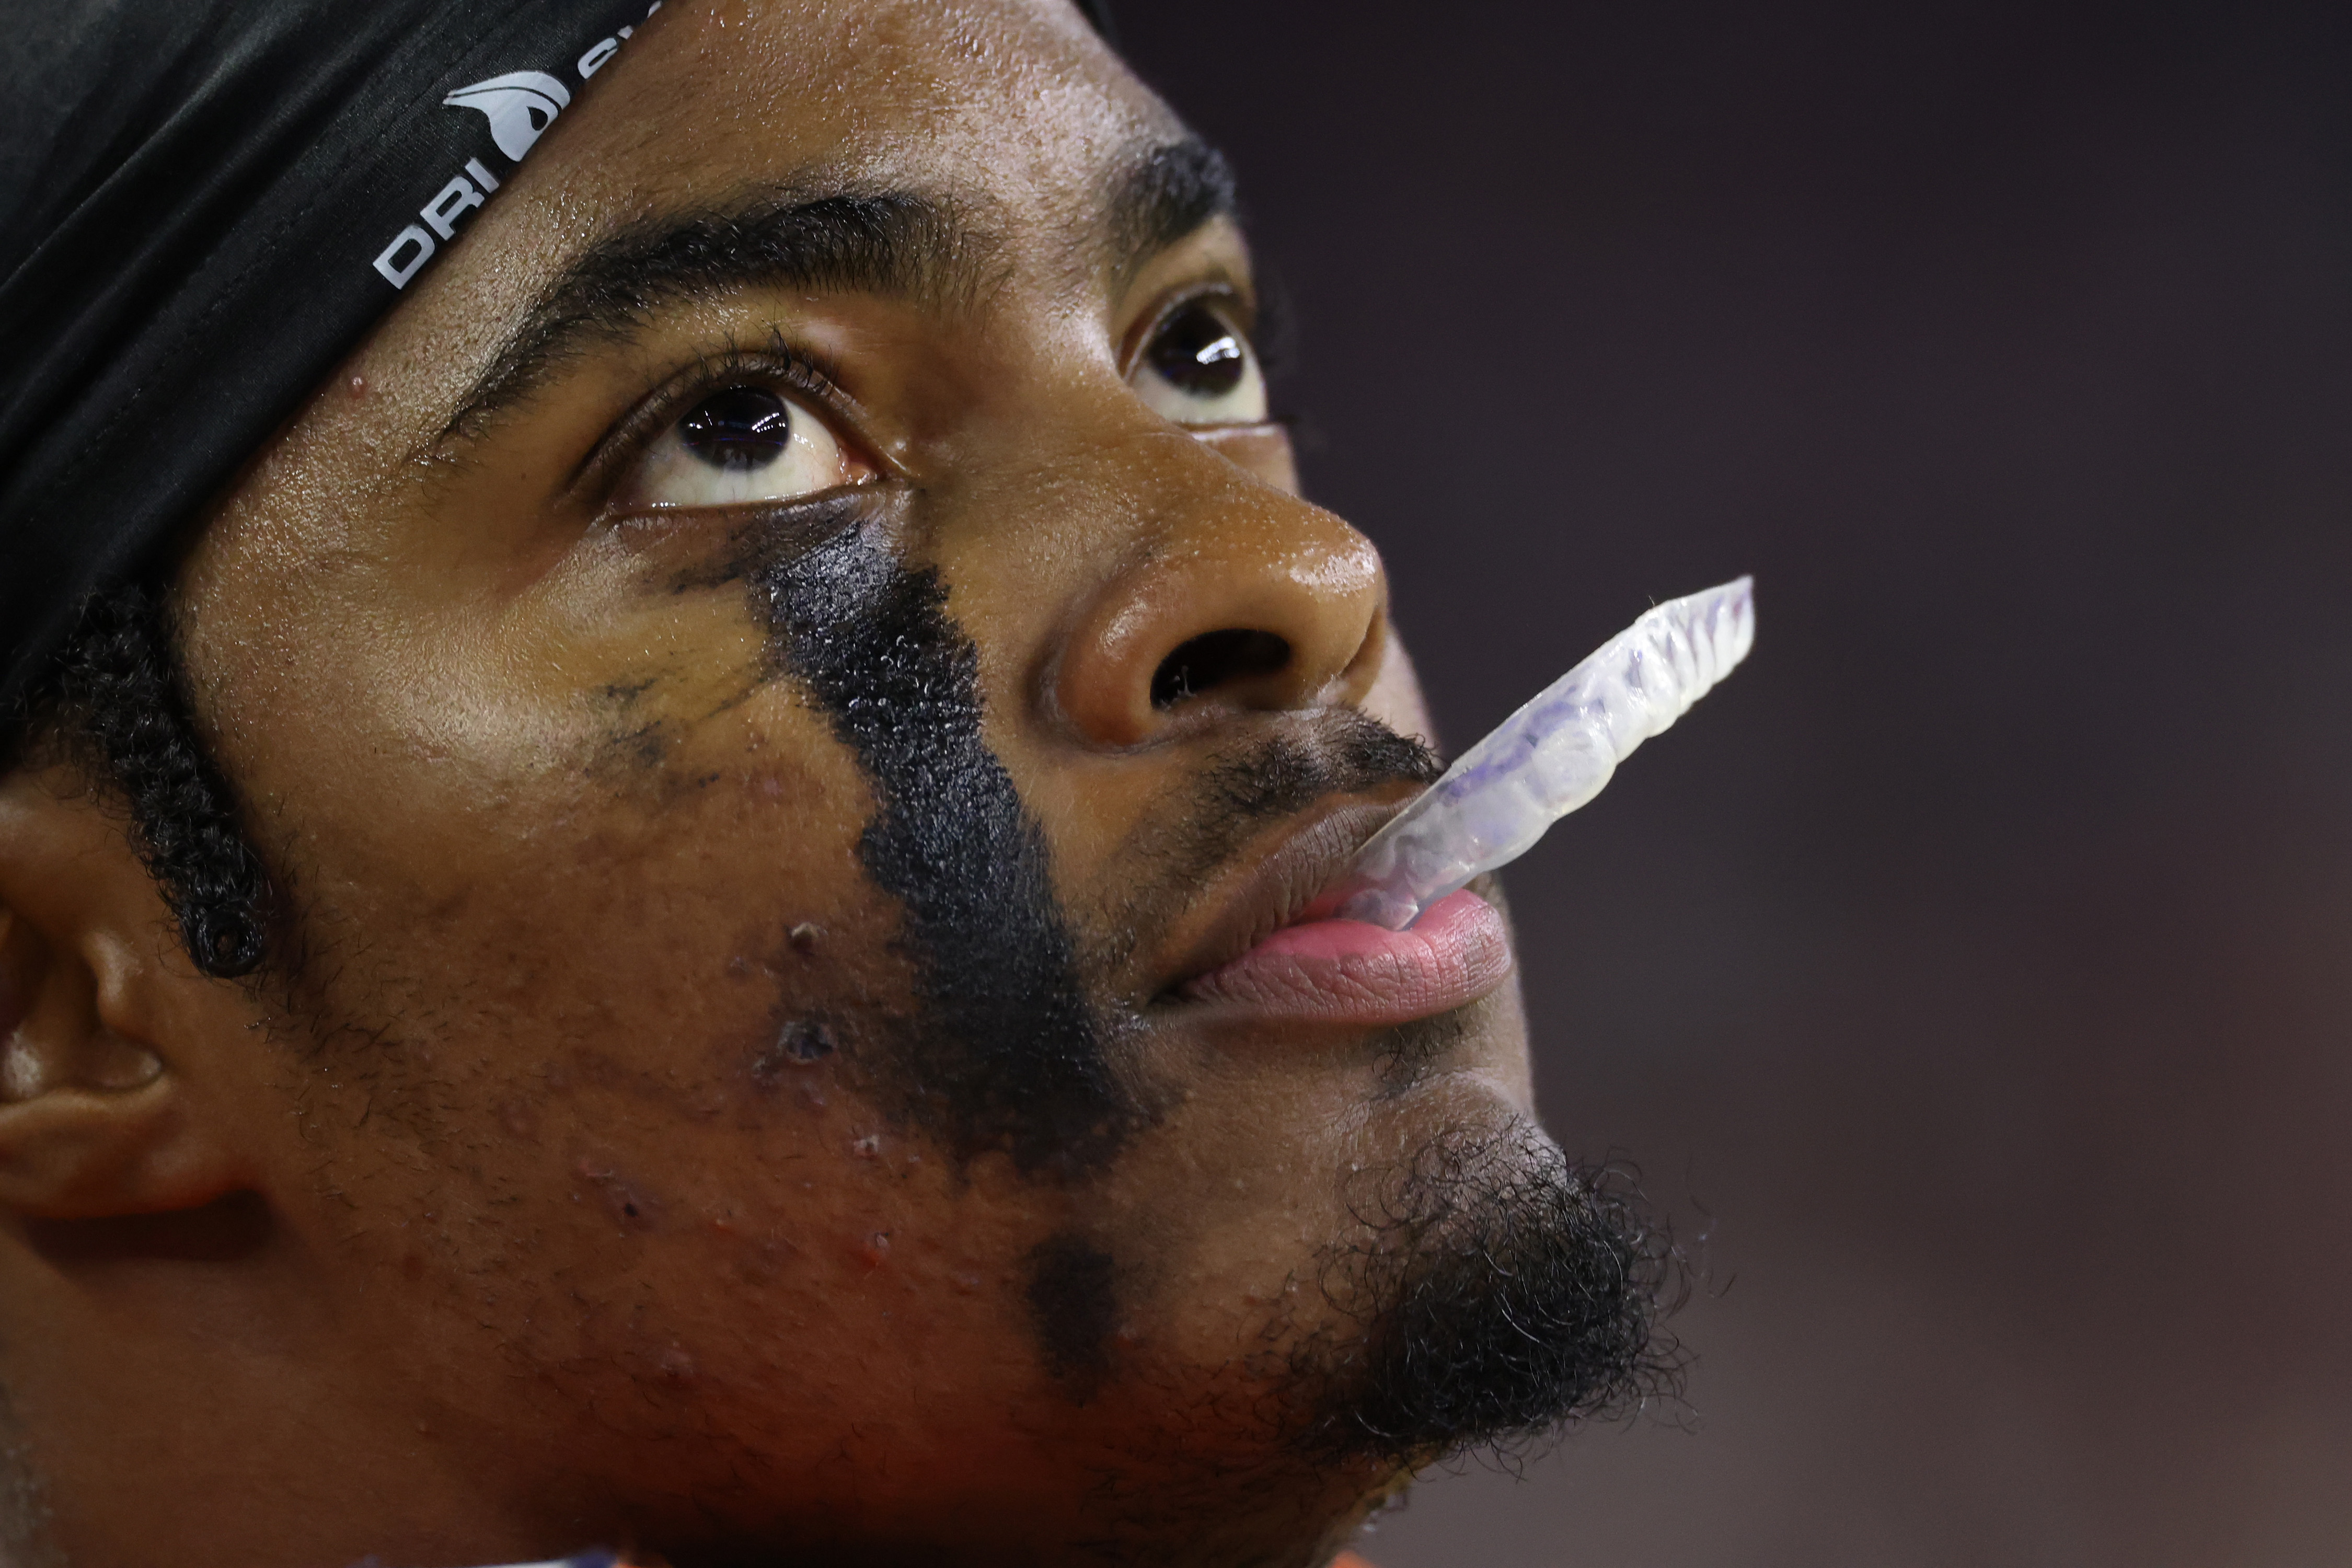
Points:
(794, 709)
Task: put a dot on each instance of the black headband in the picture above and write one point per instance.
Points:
(204, 205)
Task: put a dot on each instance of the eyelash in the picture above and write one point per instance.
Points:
(777, 365)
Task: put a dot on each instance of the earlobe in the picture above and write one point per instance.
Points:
(81, 1153)
(94, 1114)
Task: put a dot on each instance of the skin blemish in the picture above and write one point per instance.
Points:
(875, 1248)
(803, 939)
(630, 1206)
(804, 1043)
(800, 1043)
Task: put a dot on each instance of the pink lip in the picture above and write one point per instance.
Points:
(1346, 971)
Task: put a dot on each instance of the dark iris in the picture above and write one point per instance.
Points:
(740, 428)
(1199, 355)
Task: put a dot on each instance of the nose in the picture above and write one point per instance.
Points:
(1251, 600)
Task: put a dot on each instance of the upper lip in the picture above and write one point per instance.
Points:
(1260, 894)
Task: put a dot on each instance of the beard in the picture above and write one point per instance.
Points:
(1489, 1293)
(1493, 1292)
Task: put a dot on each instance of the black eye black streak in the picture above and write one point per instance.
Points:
(630, 745)
(1007, 1054)
(1073, 1309)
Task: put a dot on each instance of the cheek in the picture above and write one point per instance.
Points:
(667, 858)
(772, 1259)
(572, 789)
(748, 1258)
(618, 1034)
(658, 877)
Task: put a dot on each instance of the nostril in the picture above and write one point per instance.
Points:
(1213, 659)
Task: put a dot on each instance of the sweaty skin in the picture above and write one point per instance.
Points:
(726, 1081)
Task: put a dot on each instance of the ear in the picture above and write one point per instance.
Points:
(102, 1021)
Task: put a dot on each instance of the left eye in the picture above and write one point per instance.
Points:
(1197, 369)
(744, 444)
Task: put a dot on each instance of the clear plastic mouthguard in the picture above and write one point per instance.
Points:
(1551, 756)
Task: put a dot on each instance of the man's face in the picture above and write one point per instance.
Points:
(767, 686)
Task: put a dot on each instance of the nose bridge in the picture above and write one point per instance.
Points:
(1235, 597)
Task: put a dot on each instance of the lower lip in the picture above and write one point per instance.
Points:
(1346, 971)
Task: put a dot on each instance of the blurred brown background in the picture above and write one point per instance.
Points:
(1972, 976)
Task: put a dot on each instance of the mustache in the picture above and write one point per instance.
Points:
(1204, 823)
(1345, 751)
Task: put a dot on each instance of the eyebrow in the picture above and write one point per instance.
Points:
(877, 242)
(1157, 199)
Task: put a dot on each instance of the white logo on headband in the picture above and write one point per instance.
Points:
(519, 106)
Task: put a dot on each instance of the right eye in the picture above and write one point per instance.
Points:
(740, 445)
(1199, 370)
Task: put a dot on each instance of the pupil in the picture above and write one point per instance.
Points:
(1198, 353)
(740, 428)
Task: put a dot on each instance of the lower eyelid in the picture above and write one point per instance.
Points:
(740, 537)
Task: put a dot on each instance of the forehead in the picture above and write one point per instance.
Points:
(1014, 97)
(1011, 110)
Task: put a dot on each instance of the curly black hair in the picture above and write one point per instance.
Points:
(117, 701)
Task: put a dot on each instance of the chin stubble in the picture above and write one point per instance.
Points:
(1492, 1292)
